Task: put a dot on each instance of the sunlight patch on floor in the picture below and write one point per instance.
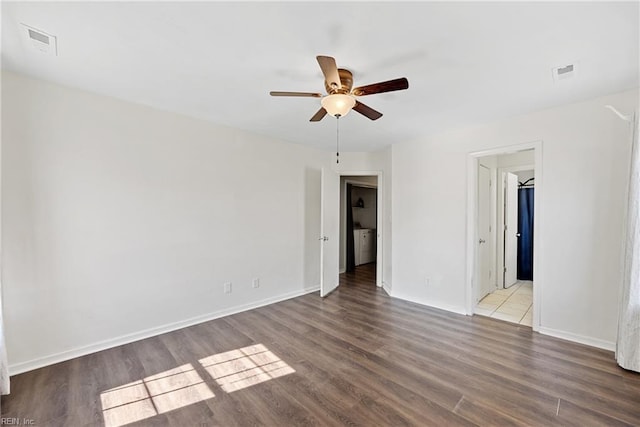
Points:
(182, 386)
(244, 367)
(153, 395)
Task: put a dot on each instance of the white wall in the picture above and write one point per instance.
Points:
(581, 226)
(521, 158)
(121, 221)
(523, 176)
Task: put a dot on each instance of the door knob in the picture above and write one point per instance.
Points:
(482, 241)
(517, 234)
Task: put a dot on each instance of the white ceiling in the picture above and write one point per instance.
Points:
(467, 63)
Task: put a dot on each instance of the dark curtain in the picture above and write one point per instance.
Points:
(351, 253)
(525, 229)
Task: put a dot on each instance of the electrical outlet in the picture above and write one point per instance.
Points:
(256, 283)
(227, 288)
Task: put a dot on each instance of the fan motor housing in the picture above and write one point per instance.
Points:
(346, 80)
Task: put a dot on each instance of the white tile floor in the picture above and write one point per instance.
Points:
(512, 304)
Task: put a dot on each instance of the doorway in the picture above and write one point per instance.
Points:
(331, 234)
(526, 205)
(359, 201)
(504, 198)
(516, 200)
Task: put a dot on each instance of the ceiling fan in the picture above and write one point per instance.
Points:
(341, 98)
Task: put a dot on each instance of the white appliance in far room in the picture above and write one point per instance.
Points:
(364, 240)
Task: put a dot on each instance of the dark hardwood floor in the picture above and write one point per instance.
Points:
(357, 357)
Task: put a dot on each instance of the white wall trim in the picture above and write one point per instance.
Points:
(433, 304)
(40, 362)
(581, 339)
(387, 287)
(538, 239)
(472, 232)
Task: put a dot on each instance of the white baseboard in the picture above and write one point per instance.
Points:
(18, 368)
(434, 304)
(387, 288)
(593, 342)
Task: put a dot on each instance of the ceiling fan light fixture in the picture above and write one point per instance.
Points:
(340, 98)
(338, 104)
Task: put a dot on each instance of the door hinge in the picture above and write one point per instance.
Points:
(505, 269)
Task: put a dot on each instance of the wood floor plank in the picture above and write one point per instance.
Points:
(330, 355)
(357, 357)
(523, 368)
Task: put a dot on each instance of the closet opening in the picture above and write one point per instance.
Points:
(359, 230)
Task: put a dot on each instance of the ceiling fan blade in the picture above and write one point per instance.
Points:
(367, 111)
(319, 115)
(388, 86)
(330, 71)
(301, 94)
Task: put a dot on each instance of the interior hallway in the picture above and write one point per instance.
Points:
(513, 304)
(363, 275)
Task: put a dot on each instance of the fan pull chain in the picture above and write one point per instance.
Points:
(337, 138)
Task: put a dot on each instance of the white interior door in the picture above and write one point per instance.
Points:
(485, 285)
(510, 229)
(329, 231)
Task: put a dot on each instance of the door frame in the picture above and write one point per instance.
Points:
(490, 238)
(509, 236)
(379, 219)
(472, 225)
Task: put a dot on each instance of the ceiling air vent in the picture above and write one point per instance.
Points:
(565, 71)
(42, 41)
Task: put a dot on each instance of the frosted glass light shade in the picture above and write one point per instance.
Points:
(338, 104)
